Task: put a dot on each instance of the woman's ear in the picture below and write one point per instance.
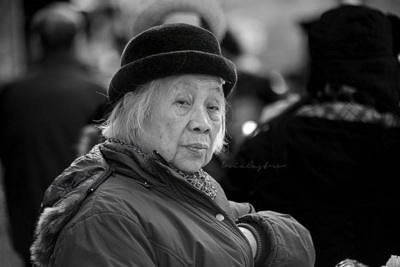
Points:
(395, 22)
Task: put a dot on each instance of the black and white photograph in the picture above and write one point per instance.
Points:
(200, 133)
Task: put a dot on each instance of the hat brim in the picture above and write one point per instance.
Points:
(129, 77)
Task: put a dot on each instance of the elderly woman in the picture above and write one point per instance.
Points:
(141, 197)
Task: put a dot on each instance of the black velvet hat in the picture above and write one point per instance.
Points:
(354, 45)
(168, 50)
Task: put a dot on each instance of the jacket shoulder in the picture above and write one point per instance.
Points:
(63, 199)
(82, 173)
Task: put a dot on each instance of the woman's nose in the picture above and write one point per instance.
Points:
(199, 121)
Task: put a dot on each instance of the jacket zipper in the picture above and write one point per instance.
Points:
(101, 180)
(226, 217)
(216, 208)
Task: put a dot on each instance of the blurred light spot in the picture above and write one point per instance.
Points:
(278, 85)
(248, 127)
(184, 17)
(352, 2)
(251, 33)
(108, 62)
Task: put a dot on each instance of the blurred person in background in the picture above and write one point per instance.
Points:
(207, 14)
(105, 36)
(332, 159)
(43, 115)
(253, 93)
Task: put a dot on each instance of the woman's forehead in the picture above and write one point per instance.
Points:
(205, 83)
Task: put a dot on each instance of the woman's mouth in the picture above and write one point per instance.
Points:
(197, 148)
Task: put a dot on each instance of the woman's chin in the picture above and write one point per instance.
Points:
(190, 167)
(189, 163)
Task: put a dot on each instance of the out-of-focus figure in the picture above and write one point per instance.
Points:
(207, 14)
(255, 90)
(332, 160)
(43, 114)
(105, 35)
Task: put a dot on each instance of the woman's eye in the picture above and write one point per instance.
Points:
(213, 108)
(183, 103)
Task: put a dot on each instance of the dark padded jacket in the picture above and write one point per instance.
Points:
(112, 207)
(340, 179)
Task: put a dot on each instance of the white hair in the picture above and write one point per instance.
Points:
(125, 120)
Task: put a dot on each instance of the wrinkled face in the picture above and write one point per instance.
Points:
(185, 121)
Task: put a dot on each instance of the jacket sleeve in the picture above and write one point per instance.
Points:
(288, 243)
(104, 240)
(240, 209)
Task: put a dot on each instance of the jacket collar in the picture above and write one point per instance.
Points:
(151, 167)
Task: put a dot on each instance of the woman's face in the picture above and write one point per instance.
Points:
(185, 121)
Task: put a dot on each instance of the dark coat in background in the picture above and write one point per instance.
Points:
(339, 179)
(42, 117)
(332, 161)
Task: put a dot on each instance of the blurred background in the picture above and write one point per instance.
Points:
(270, 33)
(269, 30)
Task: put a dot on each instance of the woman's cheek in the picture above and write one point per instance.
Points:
(216, 129)
(180, 111)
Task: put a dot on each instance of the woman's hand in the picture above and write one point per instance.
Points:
(250, 237)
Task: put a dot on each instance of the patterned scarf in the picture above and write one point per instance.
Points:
(199, 180)
(346, 103)
(350, 111)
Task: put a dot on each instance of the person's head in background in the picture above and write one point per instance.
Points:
(55, 29)
(207, 14)
(351, 2)
(353, 52)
